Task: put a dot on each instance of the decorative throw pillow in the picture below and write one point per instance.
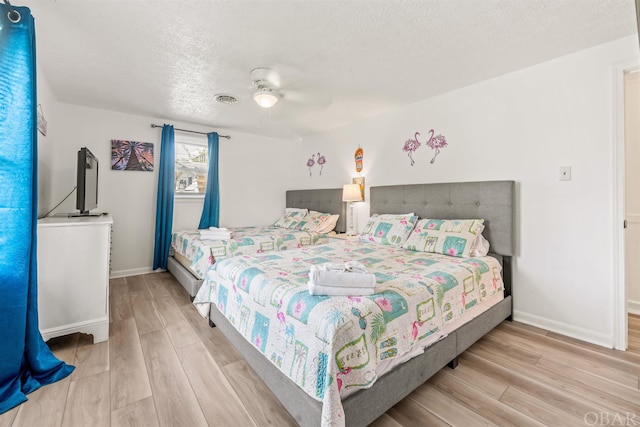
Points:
(388, 229)
(454, 237)
(312, 221)
(290, 219)
(327, 225)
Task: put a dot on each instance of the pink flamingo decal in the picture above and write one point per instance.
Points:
(414, 329)
(279, 314)
(339, 381)
(436, 143)
(321, 161)
(311, 162)
(411, 145)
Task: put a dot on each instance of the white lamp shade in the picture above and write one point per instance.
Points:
(351, 193)
(266, 98)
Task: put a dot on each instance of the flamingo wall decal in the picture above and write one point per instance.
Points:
(316, 159)
(311, 162)
(411, 145)
(435, 142)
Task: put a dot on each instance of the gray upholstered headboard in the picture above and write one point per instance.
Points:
(323, 200)
(492, 201)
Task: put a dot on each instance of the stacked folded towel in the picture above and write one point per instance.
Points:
(215, 233)
(351, 278)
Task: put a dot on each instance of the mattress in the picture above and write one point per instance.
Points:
(333, 346)
(246, 240)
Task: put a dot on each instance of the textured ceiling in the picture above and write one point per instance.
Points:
(339, 61)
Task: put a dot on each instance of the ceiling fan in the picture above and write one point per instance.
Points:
(269, 89)
(266, 82)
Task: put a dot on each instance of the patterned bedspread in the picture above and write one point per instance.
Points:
(332, 345)
(246, 240)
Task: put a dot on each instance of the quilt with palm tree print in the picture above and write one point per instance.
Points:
(330, 346)
(202, 253)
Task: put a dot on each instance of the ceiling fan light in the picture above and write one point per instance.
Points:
(266, 97)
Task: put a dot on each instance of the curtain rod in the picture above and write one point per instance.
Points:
(191, 131)
(13, 15)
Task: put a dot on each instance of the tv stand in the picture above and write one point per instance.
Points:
(73, 276)
(83, 214)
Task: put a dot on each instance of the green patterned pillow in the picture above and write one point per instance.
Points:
(454, 237)
(312, 221)
(388, 229)
(290, 219)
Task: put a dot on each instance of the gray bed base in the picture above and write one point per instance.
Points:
(188, 281)
(492, 200)
(321, 200)
(364, 406)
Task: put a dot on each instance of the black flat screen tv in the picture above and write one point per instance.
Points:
(87, 183)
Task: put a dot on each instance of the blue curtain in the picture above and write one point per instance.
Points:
(164, 205)
(26, 363)
(211, 209)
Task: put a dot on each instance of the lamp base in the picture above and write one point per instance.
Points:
(351, 226)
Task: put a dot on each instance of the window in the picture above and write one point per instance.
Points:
(192, 166)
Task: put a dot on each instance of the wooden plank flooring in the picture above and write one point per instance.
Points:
(164, 366)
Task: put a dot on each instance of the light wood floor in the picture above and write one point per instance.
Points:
(164, 366)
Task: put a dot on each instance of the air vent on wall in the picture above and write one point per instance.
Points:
(226, 99)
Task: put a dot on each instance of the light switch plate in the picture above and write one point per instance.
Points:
(565, 173)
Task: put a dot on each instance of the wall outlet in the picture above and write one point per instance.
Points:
(565, 173)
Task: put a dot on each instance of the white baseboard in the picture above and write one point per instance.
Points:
(572, 331)
(99, 328)
(633, 307)
(133, 272)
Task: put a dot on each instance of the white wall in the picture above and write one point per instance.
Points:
(48, 105)
(522, 126)
(250, 175)
(632, 187)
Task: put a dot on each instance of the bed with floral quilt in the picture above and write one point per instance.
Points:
(345, 360)
(202, 252)
(309, 216)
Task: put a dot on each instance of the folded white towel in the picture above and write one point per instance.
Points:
(341, 278)
(338, 291)
(216, 235)
(351, 266)
(218, 229)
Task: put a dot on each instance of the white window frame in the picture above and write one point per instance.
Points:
(200, 140)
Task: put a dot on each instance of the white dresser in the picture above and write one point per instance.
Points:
(73, 276)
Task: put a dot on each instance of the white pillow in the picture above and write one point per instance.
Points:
(327, 225)
(480, 247)
(289, 210)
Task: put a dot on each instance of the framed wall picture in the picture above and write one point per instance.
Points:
(131, 155)
(360, 181)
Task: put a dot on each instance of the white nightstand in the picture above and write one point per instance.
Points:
(343, 236)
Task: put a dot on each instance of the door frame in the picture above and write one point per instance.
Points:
(620, 325)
